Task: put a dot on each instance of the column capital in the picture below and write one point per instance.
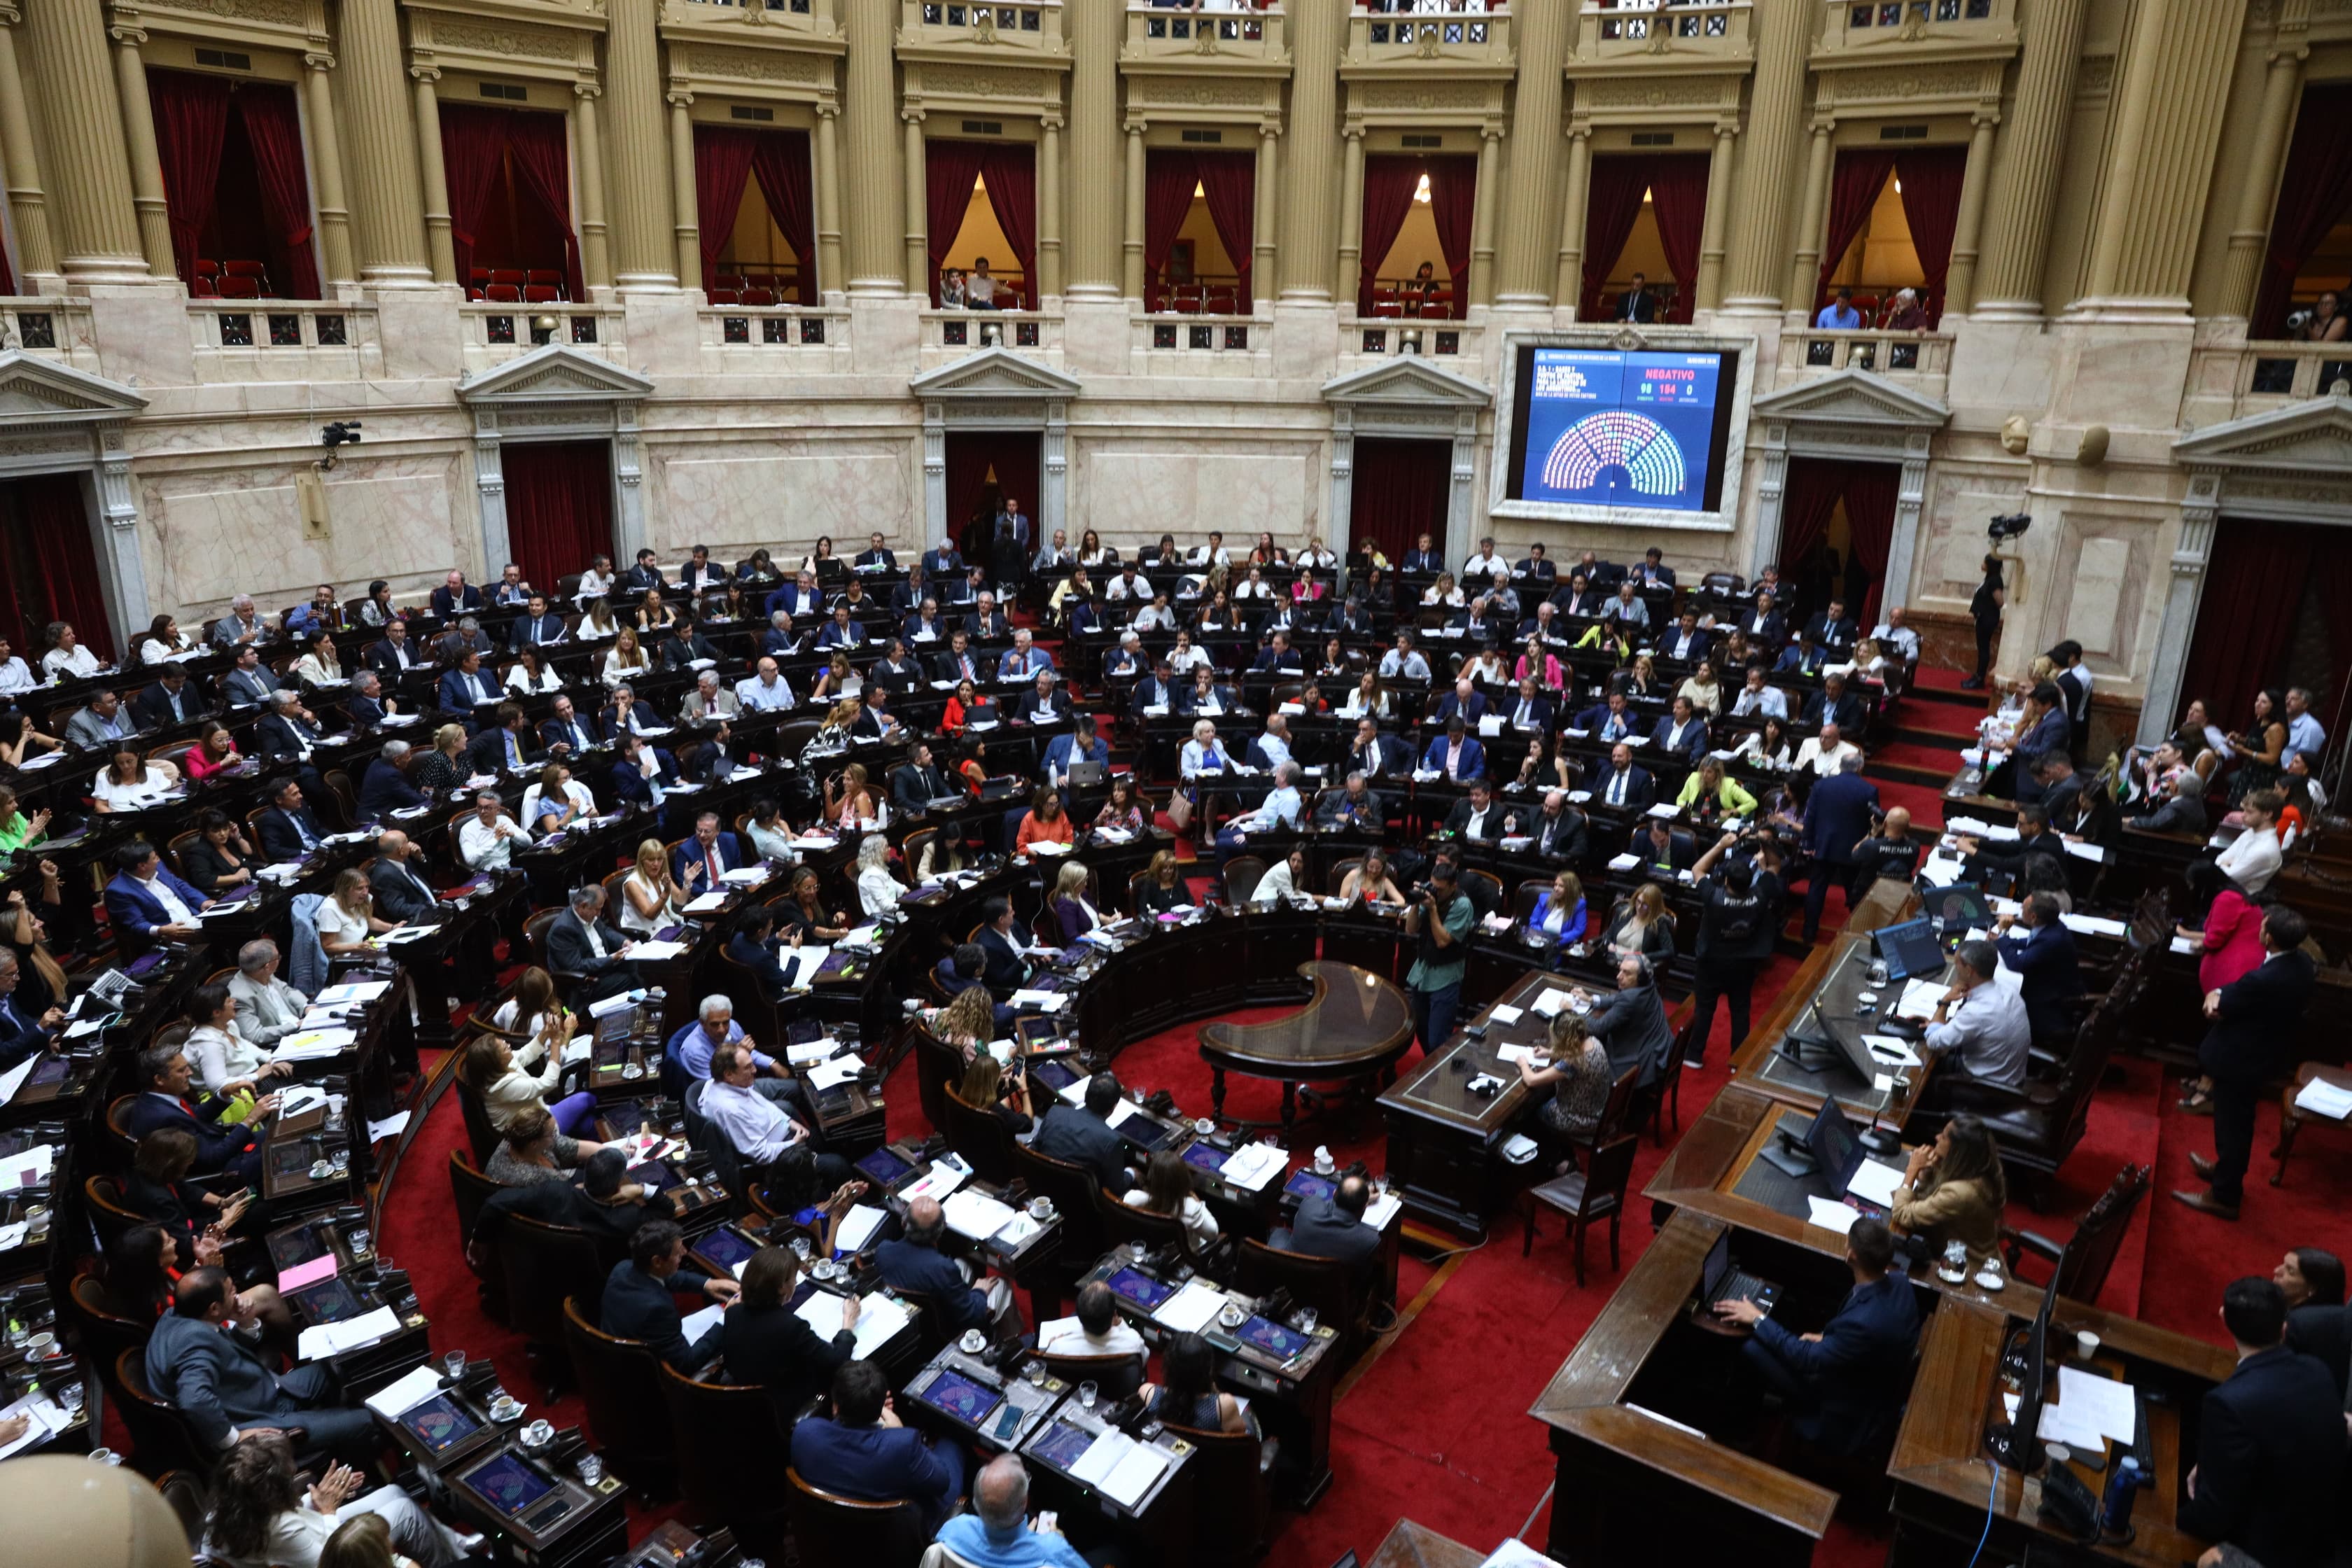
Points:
(1353, 130)
(11, 13)
(912, 113)
(1985, 113)
(587, 89)
(1823, 125)
(425, 73)
(1135, 125)
(1269, 129)
(1578, 128)
(1726, 127)
(125, 29)
(679, 97)
(1492, 130)
(827, 108)
(1053, 121)
(318, 60)
(2300, 53)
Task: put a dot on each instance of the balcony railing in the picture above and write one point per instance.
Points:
(1369, 336)
(1021, 24)
(495, 333)
(1225, 346)
(1381, 30)
(2230, 380)
(747, 340)
(1236, 28)
(810, 18)
(51, 326)
(1632, 27)
(284, 340)
(1901, 355)
(950, 335)
(1877, 24)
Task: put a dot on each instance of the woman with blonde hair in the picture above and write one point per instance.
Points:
(877, 890)
(1700, 685)
(1164, 891)
(1953, 1189)
(1370, 878)
(1575, 1068)
(438, 771)
(1069, 904)
(650, 898)
(836, 681)
(626, 658)
(968, 1023)
(1644, 927)
(850, 801)
(347, 920)
(986, 1085)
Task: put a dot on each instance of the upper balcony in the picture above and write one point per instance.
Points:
(746, 20)
(1459, 32)
(1915, 30)
(494, 332)
(1213, 38)
(2230, 379)
(1643, 35)
(1006, 31)
(1921, 360)
(51, 326)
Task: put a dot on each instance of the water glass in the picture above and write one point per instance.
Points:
(1305, 1319)
(591, 1470)
(1088, 1392)
(1036, 1373)
(456, 1363)
(70, 1397)
(801, 1248)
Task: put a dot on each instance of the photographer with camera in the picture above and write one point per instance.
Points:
(1438, 917)
(1742, 911)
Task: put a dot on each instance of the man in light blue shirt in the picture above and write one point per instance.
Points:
(1021, 660)
(998, 1534)
(764, 692)
(2304, 732)
(1839, 315)
(715, 1026)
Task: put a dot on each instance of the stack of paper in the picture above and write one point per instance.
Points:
(406, 934)
(694, 1325)
(2325, 1099)
(713, 899)
(976, 1215)
(323, 1340)
(396, 1400)
(858, 1226)
(1873, 1182)
(650, 949)
(744, 876)
(1253, 1165)
(1503, 1018)
(1383, 1205)
(1517, 1554)
(13, 1078)
(800, 1054)
(1192, 1309)
(879, 1318)
(1919, 999)
(824, 1075)
(1044, 1001)
(1831, 1215)
(936, 1183)
(350, 994)
(313, 1045)
(28, 1168)
(1549, 1004)
(2100, 1402)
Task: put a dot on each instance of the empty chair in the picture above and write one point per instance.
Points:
(620, 1383)
(1243, 874)
(2089, 1257)
(543, 1263)
(471, 1190)
(1224, 1467)
(727, 1440)
(830, 1528)
(1596, 1193)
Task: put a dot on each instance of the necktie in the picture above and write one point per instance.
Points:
(1616, 789)
(514, 750)
(1526, 713)
(302, 834)
(189, 1109)
(711, 864)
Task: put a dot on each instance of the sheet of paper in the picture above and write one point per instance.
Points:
(936, 1183)
(351, 992)
(1134, 1474)
(395, 1400)
(863, 936)
(324, 1340)
(308, 1273)
(1253, 1165)
(1192, 1309)
(879, 1320)
(314, 1043)
(12, 1236)
(1919, 999)
(1829, 1216)
(650, 949)
(1103, 1457)
(976, 1215)
(819, 1049)
(2062, 1422)
(612, 1004)
(82, 1027)
(36, 1162)
(839, 1070)
(1891, 1050)
(1517, 1554)
(2093, 925)
(694, 1325)
(1873, 1182)
(2105, 1402)
(1515, 1053)
(1623, 862)
(392, 1126)
(1549, 1003)
(1121, 1111)
(715, 898)
(1505, 1016)
(1044, 1001)
(13, 1078)
(44, 1421)
(858, 1226)
(1382, 1209)
(2325, 1099)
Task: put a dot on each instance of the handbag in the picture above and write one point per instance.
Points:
(1180, 811)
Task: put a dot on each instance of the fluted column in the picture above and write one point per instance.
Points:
(1714, 220)
(2258, 191)
(432, 175)
(688, 225)
(28, 205)
(917, 260)
(1049, 206)
(2144, 239)
(1968, 228)
(645, 240)
(1095, 207)
(595, 233)
(1311, 224)
(2024, 184)
(1567, 272)
(139, 139)
(1758, 257)
(875, 235)
(98, 226)
(828, 201)
(326, 167)
(1805, 268)
(1531, 194)
(1482, 217)
(1131, 240)
(1263, 277)
(1350, 268)
(388, 209)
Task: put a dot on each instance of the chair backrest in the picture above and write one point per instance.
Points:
(1523, 901)
(102, 1196)
(1125, 1222)
(620, 1383)
(1243, 874)
(1607, 1174)
(727, 1439)
(106, 1331)
(1224, 1466)
(705, 1137)
(1484, 889)
(833, 1528)
(754, 1007)
(939, 1067)
(543, 1263)
(1324, 1284)
(1072, 1188)
(192, 1500)
(480, 1134)
(975, 1133)
(1620, 1105)
(470, 1189)
(1115, 1376)
(159, 1434)
(2092, 1252)
(1342, 870)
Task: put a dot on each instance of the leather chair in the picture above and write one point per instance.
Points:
(108, 1214)
(1324, 1284)
(975, 1133)
(191, 1500)
(829, 1528)
(1243, 874)
(1583, 1197)
(118, 1126)
(1124, 1222)
(705, 1137)
(160, 1437)
(1225, 1467)
(2086, 1260)
(727, 1440)
(1485, 889)
(939, 1067)
(1073, 1189)
(106, 1331)
(534, 936)
(754, 1009)
(481, 1137)
(470, 1190)
(620, 1383)
(1340, 872)
(544, 1265)
(1117, 1376)
(1650, 1105)
(1614, 1114)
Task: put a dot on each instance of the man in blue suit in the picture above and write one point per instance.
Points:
(944, 563)
(1610, 721)
(863, 1450)
(1083, 1135)
(631, 782)
(1084, 744)
(1466, 699)
(1625, 786)
(641, 1296)
(1681, 733)
(2043, 957)
(466, 686)
(699, 863)
(1456, 753)
(2049, 732)
(1846, 1385)
(1837, 819)
(2270, 1442)
(172, 1101)
(147, 900)
(914, 1262)
(386, 788)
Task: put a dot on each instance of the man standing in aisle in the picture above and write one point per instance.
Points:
(1439, 922)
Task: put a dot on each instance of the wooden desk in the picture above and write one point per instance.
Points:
(1411, 1545)
(1941, 1470)
(1354, 1025)
(1623, 1471)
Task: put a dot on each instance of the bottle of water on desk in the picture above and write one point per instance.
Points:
(2115, 1508)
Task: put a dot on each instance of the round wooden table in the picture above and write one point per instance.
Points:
(1354, 1025)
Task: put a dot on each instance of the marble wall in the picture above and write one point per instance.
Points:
(736, 495)
(1130, 490)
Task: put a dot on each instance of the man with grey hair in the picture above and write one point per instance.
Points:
(709, 700)
(714, 1025)
(1631, 1022)
(488, 839)
(999, 1533)
(1826, 752)
(267, 1009)
(240, 626)
(287, 730)
(764, 692)
(581, 942)
(1354, 805)
(1981, 1026)
(780, 639)
(368, 707)
(2304, 732)
(386, 789)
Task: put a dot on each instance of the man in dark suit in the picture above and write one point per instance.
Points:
(1686, 640)
(1043, 703)
(1083, 1135)
(769, 1345)
(896, 671)
(1378, 755)
(1637, 303)
(1623, 784)
(645, 575)
(1681, 733)
(2270, 1442)
(1763, 624)
(987, 623)
(943, 565)
(581, 942)
(2255, 1020)
(1844, 1386)
(171, 700)
(1837, 819)
(506, 743)
(2045, 731)
(2043, 956)
(537, 626)
(640, 1297)
(385, 787)
(1003, 940)
(220, 1382)
(368, 707)
(394, 656)
(1423, 557)
(913, 1261)
(1529, 710)
(287, 730)
(401, 893)
(466, 686)
(566, 731)
(1466, 699)
(1157, 689)
(1478, 816)
(1559, 830)
(1082, 744)
(2035, 839)
(250, 682)
(863, 1450)
(1279, 657)
(1610, 720)
(1654, 571)
(913, 786)
(1631, 1021)
(23, 1032)
(1833, 704)
(631, 782)
(455, 596)
(290, 829)
(1662, 846)
(1352, 806)
(800, 599)
(2062, 787)
(701, 861)
(171, 1100)
(876, 553)
(958, 662)
(1832, 627)
(1334, 1227)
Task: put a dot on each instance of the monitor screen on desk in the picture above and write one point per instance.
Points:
(952, 1394)
(1306, 1184)
(884, 1167)
(1960, 906)
(1205, 1157)
(295, 1245)
(509, 1484)
(1274, 1338)
(1062, 1444)
(329, 1301)
(1835, 1145)
(1053, 1075)
(440, 1423)
(728, 1247)
(1140, 1287)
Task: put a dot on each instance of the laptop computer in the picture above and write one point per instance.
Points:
(1910, 948)
(1718, 1281)
(1086, 775)
(1960, 906)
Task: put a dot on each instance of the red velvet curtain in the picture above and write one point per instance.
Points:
(1852, 189)
(2247, 619)
(1612, 209)
(274, 128)
(543, 166)
(1229, 185)
(1389, 185)
(1678, 201)
(1808, 502)
(191, 123)
(1397, 492)
(559, 505)
(1931, 179)
(7, 277)
(1452, 198)
(972, 456)
(780, 161)
(1010, 170)
(2314, 195)
(65, 586)
(473, 151)
(1871, 491)
(949, 170)
(722, 166)
(1169, 180)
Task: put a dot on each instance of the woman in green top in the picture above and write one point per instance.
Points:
(19, 831)
(1722, 795)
